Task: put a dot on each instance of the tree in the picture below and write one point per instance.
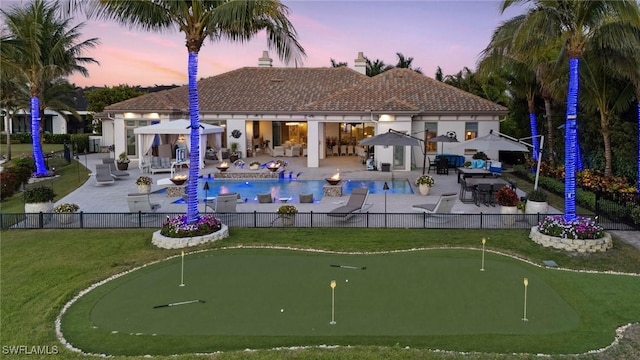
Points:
(233, 20)
(376, 67)
(406, 63)
(99, 98)
(44, 48)
(335, 64)
(439, 76)
(577, 22)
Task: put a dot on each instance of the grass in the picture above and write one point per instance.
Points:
(71, 260)
(19, 150)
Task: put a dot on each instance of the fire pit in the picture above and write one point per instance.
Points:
(334, 180)
(223, 167)
(179, 179)
(273, 167)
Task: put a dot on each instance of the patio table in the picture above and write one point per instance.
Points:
(472, 172)
(474, 182)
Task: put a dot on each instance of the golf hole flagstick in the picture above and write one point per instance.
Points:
(179, 303)
(349, 267)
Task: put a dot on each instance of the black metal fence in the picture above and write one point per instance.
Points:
(82, 220)
(618, 208)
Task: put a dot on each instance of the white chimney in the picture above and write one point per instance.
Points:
(360, 64)
(265, 60)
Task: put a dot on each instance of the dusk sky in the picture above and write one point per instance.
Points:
(450, 34)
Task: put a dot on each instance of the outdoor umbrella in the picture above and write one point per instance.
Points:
(449, 137)
(493, 142)
(395, 138)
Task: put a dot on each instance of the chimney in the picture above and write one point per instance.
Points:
(360, 64)
(265, 60)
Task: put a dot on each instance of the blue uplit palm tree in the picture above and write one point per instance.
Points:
(41, 47)
(232, 20)
(577, 22)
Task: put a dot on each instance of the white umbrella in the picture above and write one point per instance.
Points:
(493, 142)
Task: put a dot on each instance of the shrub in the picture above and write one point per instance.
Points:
(635, 214)
(38, 194)
(123, 158)
(144, 180)
(287, 209)
(580, 228)
(23, 168)
(177, 227)
(8, 183)
(537, 195)
(480, 156)
(507, 197)
(425, 180)
(66, 208)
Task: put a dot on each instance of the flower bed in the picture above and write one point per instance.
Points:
(176, 233)
(581, 235)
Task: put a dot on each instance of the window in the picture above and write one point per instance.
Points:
(430, 130)
(470, 130)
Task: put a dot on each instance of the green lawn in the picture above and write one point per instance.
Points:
(42, 270)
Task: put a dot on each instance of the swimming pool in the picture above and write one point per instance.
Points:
(284, 188)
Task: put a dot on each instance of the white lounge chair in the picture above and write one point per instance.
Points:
(103, 175)
(443, 206)
(356, 203)
(141, 203)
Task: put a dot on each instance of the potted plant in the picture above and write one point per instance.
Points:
(508, 201)
(425, 182)
(123, 161)
(144, 184)
(254, 165)
(235, 154)
(39, 199)
(288, 214)
(66, 212)
(537, 202)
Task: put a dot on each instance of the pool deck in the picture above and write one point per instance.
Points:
(112, 198)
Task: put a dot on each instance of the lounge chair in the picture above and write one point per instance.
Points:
(103, 175)
(443, 206)
(355, 204)
(265, 198)
(306, 198)
(226, 203)
(117, 174)
(140, 203)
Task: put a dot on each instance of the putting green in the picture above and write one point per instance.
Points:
(434, 292)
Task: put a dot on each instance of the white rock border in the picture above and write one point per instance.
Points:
(576, 245)
(165, 242)
(58, 322)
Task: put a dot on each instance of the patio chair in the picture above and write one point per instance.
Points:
(483, 193)
(226, 203)
(117, 174)
(265, 198)
(432, 165)
(464, 189)
(442, 166)
(355, 204)
(443, 206)
(103, 175)
(306, 198)
(140, 203)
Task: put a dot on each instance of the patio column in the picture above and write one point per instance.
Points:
(314, 143)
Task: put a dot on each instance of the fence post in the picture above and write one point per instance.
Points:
(139, 218)
(598, 198)
(255, 219)
(311, 219)
(41, 220)
(81, 219)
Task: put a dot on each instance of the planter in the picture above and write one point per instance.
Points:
(122, 166)
(254, 167)
(144, 189)
(510, 214)
(288, 219)
(424, 189)
(44, 207)
(65, 218)
(572, 245)
(536, 207)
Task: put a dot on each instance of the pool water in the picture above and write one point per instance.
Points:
(283, 188)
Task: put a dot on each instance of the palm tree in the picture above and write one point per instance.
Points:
(577, 22)
(376, 67)
(406, 63)
(233, 20)
(44, 47)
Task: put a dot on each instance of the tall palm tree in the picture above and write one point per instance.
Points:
(406, 63)
(577, 22)
(44, 47)
(233, 20)
(376, 67)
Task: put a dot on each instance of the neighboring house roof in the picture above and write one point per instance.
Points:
(282, 90)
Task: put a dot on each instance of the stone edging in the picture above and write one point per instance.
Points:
(165, 242)
(581, 246)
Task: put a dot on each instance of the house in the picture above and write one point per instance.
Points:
(313, 108)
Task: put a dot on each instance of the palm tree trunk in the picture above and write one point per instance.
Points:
(638, 180)
(41, 169)
(534, 126)
(194, 155)
(7, 128)
(549, 142)
(606, 140)
(570, 141)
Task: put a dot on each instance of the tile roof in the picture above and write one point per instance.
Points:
(282, 90)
